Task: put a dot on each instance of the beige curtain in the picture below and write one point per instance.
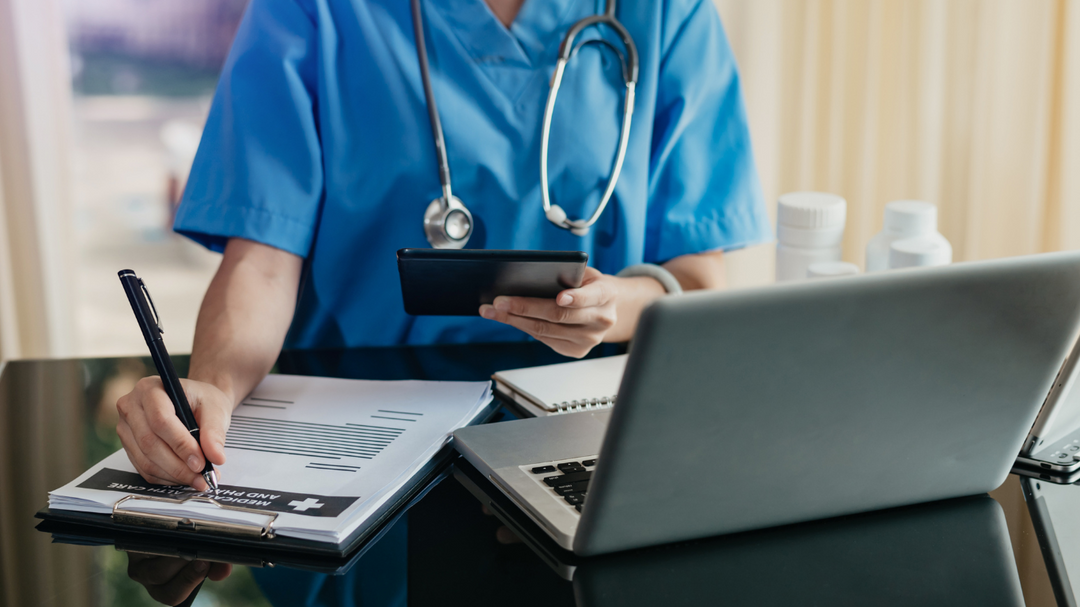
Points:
(971, 104)
(36, 312)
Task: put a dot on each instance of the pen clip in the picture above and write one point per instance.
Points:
(157, 318)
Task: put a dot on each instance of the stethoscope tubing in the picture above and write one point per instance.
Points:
(567, 49)
(630, 72)
(432, 108)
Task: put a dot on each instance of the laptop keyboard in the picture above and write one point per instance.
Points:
(568, 480)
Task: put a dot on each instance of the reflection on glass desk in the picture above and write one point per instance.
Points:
(943, 553)
(948, 553)
(58, 417)
(1055, 511)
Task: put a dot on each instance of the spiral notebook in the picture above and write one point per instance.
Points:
(582, 385)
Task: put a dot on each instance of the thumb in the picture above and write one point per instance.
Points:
(213, 414)
(213, 424)
(219, 571)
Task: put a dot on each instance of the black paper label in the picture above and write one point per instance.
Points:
(307, 504)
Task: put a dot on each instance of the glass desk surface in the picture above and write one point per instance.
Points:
(58, 417)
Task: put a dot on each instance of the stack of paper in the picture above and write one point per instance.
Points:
(323, 453)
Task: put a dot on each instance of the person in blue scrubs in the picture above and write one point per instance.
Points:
(317, 163)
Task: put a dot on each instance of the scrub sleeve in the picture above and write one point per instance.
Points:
(704, 192)
(261, 178)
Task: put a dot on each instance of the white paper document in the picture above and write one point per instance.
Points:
(323, 453)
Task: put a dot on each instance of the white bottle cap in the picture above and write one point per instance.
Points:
(811, 210)
(919, 252)
(910, 217)
(830, 269)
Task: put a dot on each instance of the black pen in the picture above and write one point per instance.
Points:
(150, 323)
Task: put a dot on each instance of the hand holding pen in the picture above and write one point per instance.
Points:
(150, 324)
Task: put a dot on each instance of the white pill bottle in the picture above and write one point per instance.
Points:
(919, 252)
(907, 219)
(831, 269)
(809, 229)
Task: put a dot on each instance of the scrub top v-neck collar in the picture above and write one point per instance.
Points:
(535, 32)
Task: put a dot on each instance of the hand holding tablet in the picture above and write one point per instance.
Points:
(442, 282)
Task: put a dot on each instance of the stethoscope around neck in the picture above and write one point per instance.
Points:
(448, 224)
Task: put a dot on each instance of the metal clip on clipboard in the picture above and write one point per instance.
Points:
(180, 523)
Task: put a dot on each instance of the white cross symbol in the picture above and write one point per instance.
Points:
(304, 505)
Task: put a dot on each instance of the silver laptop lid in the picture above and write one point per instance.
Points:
(827, 398)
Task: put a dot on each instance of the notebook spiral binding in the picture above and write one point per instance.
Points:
(585, 404)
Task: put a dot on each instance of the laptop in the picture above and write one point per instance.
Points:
(949, 552)
(1053, 444)
(756, 408)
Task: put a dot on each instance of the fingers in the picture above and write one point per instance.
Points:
(571, 324)
(219, 571)
(213, 412)
(543, 309)
(154, 460)
(572, 306)
(171, 580)
(538, 328)
(568, 340)
(182, 585)
(155, 439)
(592, 292)
(146, 468)
(504, 535)
(153, 570)
(161, 419)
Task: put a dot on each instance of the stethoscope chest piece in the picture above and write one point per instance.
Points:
(447, 225)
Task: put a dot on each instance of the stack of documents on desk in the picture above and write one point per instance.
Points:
(323, 453)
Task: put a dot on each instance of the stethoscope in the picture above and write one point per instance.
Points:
(447, 222)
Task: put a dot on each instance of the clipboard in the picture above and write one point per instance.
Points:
(194, 547)
(212, 537)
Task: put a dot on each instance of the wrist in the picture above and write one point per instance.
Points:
(633, 294)
(640, 289)
(222, 381)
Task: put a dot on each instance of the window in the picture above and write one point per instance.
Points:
(143, 73)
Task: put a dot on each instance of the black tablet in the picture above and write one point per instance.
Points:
(444, 282)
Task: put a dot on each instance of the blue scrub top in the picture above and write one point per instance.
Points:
(318, 143)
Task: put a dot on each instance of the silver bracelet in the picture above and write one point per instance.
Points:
(665, 278)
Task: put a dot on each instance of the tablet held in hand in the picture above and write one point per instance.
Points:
(444, 282)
